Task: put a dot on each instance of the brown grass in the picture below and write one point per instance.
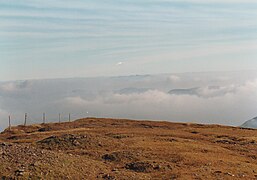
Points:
(94, 148)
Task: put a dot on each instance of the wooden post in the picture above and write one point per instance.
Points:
(9, 123)
(69, 117)
(25, 119)
(44, 118)
(59, 117)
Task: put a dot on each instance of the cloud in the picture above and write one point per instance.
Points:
(230, 100)
(76, 101)
(3, 119)
(9, 87)
(222, 105)
(14, 86)
(174, 78)
(120, 63)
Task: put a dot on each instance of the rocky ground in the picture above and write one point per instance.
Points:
(123, 149)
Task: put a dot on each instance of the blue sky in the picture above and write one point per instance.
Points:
(76, 38)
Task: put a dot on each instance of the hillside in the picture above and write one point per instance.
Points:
(250, 123)
(94, 148)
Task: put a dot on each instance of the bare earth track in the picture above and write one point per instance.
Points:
(95, 148)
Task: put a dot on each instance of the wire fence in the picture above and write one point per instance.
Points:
(60, 118)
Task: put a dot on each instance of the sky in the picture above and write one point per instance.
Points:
(82, 38)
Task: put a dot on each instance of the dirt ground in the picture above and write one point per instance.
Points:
(97, 148)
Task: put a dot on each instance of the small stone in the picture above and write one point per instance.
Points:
(19, 172)
(108, 177)
(3, 144)
(230, 174)
(158, 167)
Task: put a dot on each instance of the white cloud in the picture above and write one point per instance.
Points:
(227, 105)
(216, 91)
(9, 87)
(120, 63)
(174, 78)
(3, 119)
(14, 87)
(226, 101)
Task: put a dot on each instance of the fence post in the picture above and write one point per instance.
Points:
(69, 117)
(44, 118)
(25, 119)
(9, 122)
(59, 117)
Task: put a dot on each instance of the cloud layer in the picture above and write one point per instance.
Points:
(221, 98)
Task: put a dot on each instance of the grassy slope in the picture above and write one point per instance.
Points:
(124, 149)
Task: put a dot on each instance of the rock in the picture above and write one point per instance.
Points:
(108, 177)
(140, 166)
(174, 176)
(230, 174)
(3, 144)
(44, 129)
(19, 172)
(115, 170)
(110, 157)
(67, 141)
(75, 143)
(194, 132)
(157, 167)
(217, 172)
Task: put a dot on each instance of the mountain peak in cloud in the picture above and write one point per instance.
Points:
(132, 90)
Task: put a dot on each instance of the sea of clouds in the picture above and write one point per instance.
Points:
(228, 98)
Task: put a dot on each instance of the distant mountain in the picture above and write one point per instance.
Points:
(132, 90)
(205, 91)
(190, 91)
(250, 123)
